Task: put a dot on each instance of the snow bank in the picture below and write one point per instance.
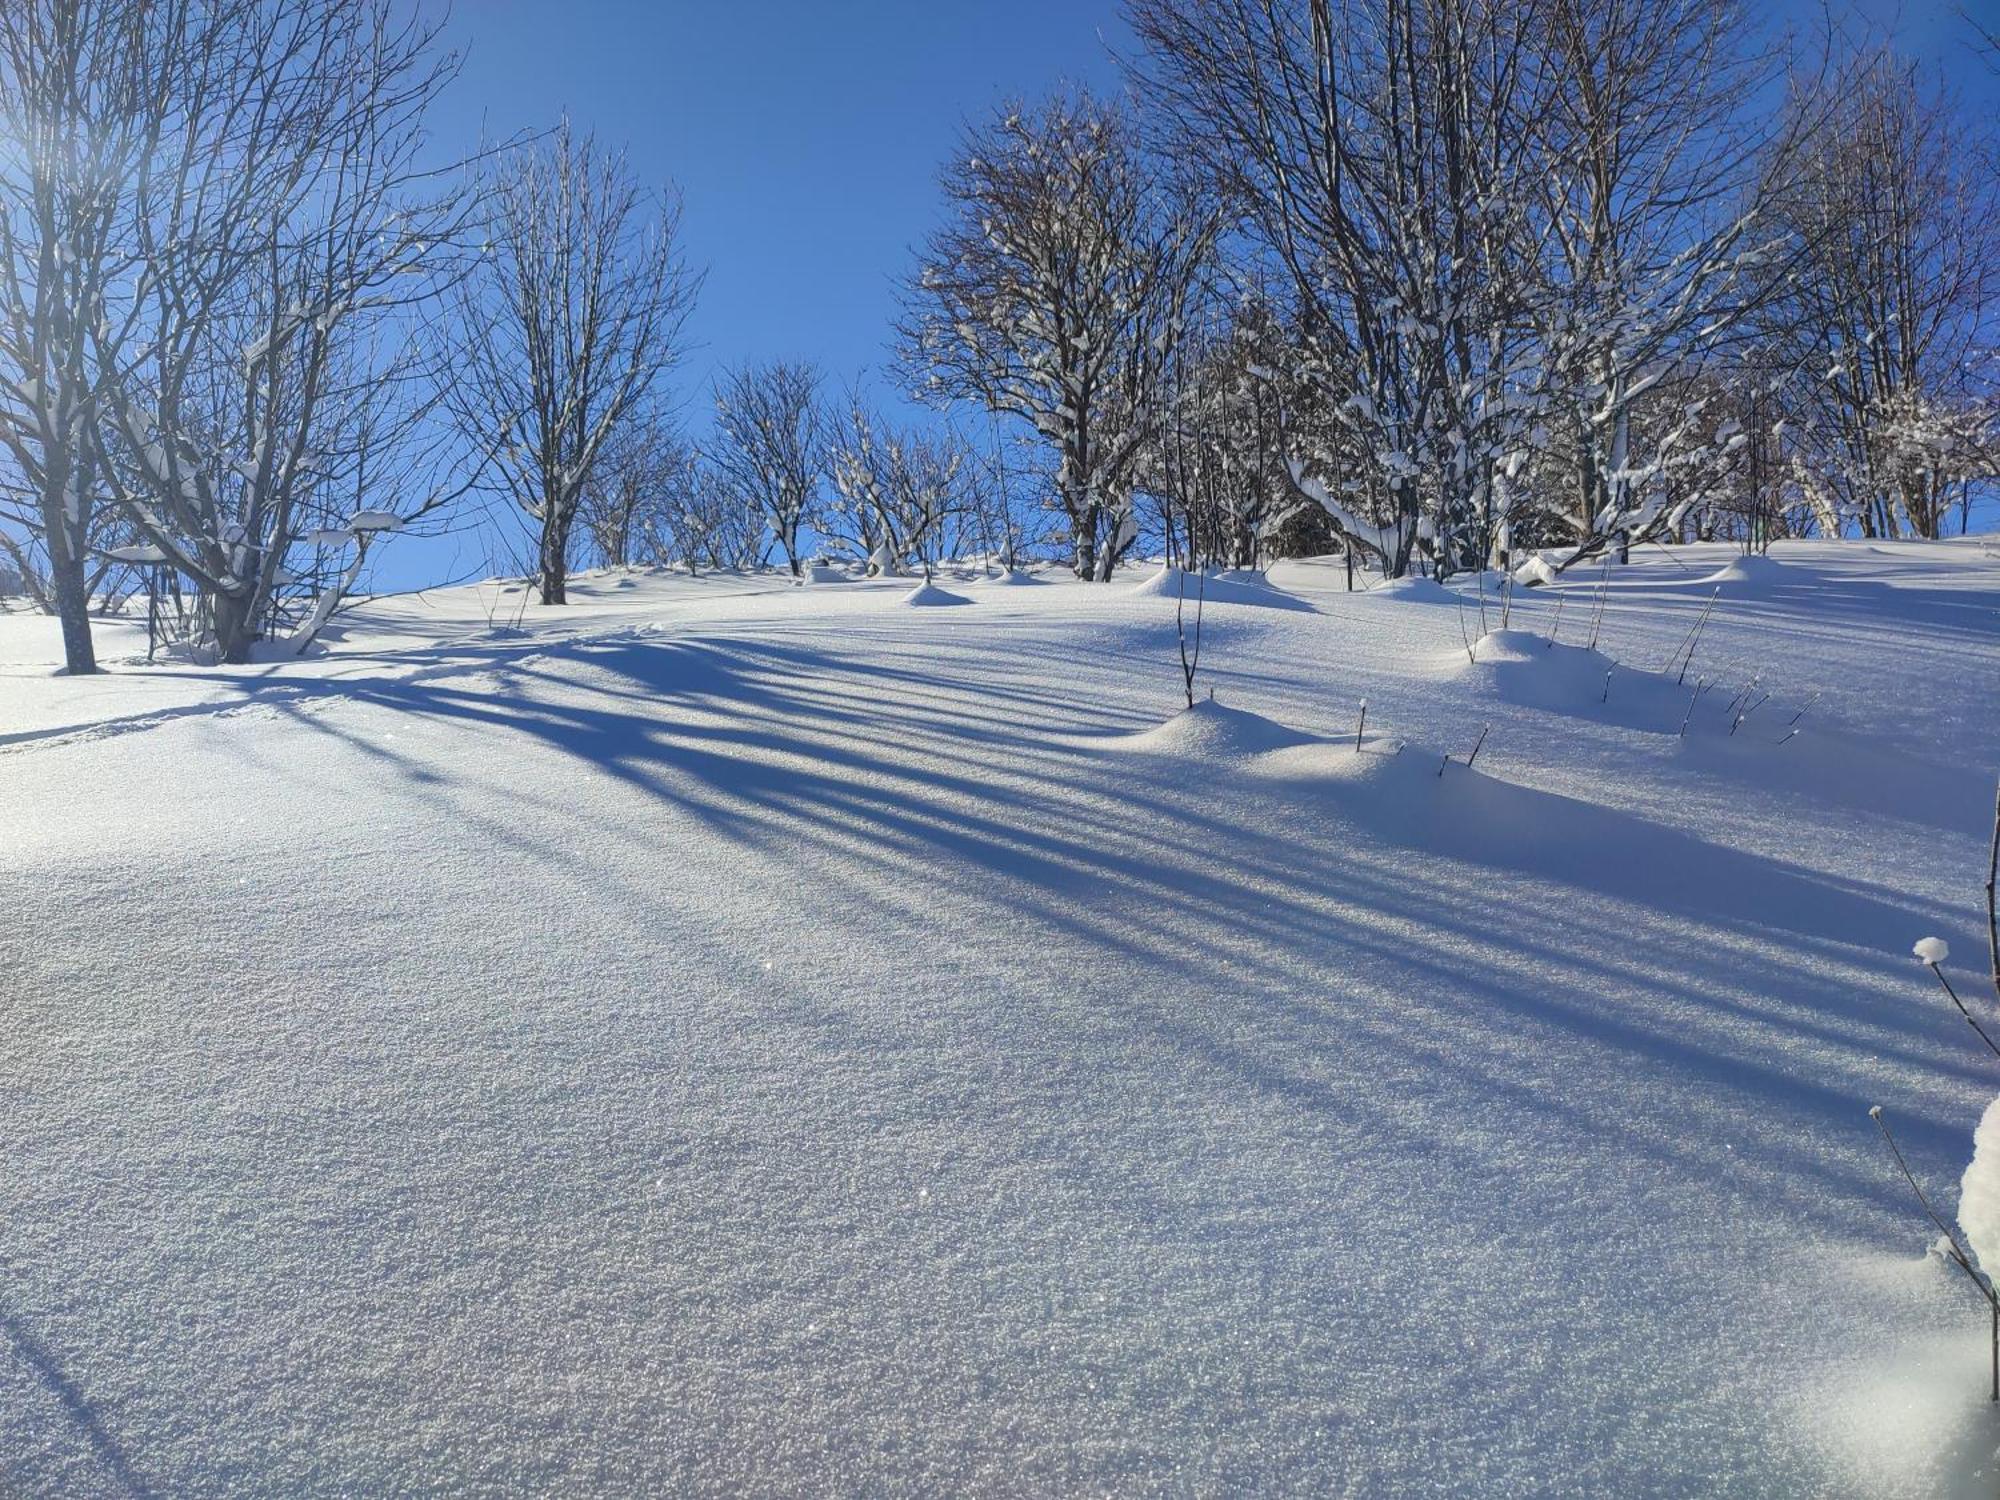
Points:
(930, 596)
(1212, 731)
(1979, 1192)
(1411, 590)
(1226, 586)
(1748, 575)
(1588, 1028)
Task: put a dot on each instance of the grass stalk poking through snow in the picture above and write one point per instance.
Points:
(1693, 699)
(1685, 652)
(1603, 587)
(1190, 662)
(1934, 961)
(1957, 1253)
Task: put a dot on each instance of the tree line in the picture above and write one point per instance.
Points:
(1431, 281)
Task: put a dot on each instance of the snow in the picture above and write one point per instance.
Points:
(1218, 586)
(930, 596)
(1535, 572)
(1979, 1192)
(1009, 578)
(1413, 590)
(1931, 950)
(730, 1037)
(1748, 573)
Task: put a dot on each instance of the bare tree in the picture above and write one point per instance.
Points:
(770, 445)
(274, 351)
(581, 312)
(1655, 164)
(1889, 319)
(700, 521)
(1375, 152)
(629, 486)
(900, 490)
(1056, 294)
(86, 96)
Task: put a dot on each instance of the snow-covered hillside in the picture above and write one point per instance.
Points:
(728, 1037)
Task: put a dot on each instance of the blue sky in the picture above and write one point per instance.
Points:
(805, 136)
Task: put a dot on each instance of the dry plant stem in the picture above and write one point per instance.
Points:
(1993, 911)
(1959, 1256)
(1603, 586)
(1991, 1046)
(1483, 730)
(1358, 728)
(1555, 629)
(1687, 647)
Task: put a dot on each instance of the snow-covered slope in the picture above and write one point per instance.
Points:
(727, 1036)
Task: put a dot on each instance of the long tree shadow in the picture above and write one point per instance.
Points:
(48, 1371)
(863, 767)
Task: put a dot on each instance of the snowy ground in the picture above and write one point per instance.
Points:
(733, 1037)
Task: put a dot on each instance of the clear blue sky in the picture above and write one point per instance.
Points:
(805, 136)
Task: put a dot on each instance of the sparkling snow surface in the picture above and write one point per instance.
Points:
(732, 1037)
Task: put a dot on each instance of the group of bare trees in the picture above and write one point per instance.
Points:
(1057, 293)
(1463, 276)
(1430, 280)
(216, 245)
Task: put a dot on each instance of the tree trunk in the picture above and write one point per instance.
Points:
(235, 627)
(1083, 537)
(68, 588)
(555, 558)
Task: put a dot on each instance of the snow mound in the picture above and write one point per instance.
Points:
(1412, 590)
(1520, 667)
(1746, 573)
(1519, 646)
(929, 595)
(1534, 573)
(1012, 578)
(1979, 1192)
(1228, 586)
(1526, 668)
(1246, 744)
(1211, 731)
(827, 573)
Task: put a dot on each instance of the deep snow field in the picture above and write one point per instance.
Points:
(733, 1037)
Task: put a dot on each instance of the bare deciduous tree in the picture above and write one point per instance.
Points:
(1888, 320)
(1375, 151)
(274, 354)
(770, 445)
(580, 314)
(1056, 294)
(86, 95)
